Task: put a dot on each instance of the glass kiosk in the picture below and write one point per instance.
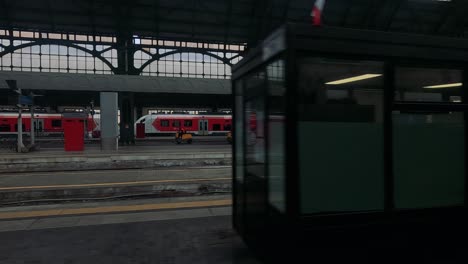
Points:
(346, 137)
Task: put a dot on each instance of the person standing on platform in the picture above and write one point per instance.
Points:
(127, 135)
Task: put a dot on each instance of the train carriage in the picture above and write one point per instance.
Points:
(168, 124)
(44, 124)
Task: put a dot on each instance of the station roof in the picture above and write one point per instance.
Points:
(115, 83)
(229, 21)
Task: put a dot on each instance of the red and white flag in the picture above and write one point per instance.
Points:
(317, 12)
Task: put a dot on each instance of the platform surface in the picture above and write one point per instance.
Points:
(174, 230)
(192, 233)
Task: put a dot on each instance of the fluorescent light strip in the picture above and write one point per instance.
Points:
(448, 85)
(354, 79)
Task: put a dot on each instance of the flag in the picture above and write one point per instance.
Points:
(317, 12)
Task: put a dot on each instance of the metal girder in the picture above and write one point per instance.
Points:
(90, 12)
(372, 13)
(178, 30)
(228, 21)
(388, 18)
(268, 18)
(144, 16)
(175, 22)
(193, 16)
(286, 11)
(218, 16)
(94, 53)
(349, 6)
(121, 15)
(416, 24)
(259, 11)
(5, 10)
(455, 18)
(384, 21)
(252, 29)
(155, 57)
(156, 17)
(225, 20)
(51, 13)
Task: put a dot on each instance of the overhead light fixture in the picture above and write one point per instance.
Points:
(354, 79)
(448, 85)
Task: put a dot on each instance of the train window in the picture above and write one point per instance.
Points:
(165, 123)
(188, 123)
(4, 128)
(142, 121)
(216, 127)
(57, 123)
(176, 123)
(227, 127)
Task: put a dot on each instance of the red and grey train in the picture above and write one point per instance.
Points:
(155, 124)
(45, 124)
(201, 124)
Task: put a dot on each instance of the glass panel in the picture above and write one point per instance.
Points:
(340, 135)
(428, 159)
(254, 119)
(428, 85)
(238, 136)
(276, 135)
(254, 115)
(256, 197)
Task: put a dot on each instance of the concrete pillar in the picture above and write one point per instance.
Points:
(109, 124)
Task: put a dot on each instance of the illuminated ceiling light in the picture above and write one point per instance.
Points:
(448, 85)
(354, 79)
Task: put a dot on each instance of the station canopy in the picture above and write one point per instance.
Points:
(229, 21)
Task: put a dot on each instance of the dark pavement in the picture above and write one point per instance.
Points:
(191, 241)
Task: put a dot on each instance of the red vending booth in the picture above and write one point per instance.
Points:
(140, 130)
(74, 131)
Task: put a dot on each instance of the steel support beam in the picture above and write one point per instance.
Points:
(390, 8)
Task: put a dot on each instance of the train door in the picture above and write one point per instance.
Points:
(203, 127)
(38, 125)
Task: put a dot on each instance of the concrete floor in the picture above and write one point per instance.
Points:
(141, 147)
(196, 238)
(42, 180)
(201, 234)
(61, 186)
(56, 145)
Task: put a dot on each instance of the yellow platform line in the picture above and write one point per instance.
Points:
(108, 184)
(112, 209)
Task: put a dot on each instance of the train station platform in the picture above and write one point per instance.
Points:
(150, 170)
(163, 231)
(143, 156)
(43, 187)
